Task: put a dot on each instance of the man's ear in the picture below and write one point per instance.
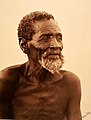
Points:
(23, 45)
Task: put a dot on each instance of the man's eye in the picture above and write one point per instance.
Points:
(59, 38)
(46, 38)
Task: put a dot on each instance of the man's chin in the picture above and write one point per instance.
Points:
(52, 65)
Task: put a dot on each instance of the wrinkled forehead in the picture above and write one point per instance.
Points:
(47, 26)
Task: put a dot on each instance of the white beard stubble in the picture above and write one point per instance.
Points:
(52, 65)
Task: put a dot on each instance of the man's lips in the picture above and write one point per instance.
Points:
(51, 52)
(52, 56)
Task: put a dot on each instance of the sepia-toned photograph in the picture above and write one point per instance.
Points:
(45, 60)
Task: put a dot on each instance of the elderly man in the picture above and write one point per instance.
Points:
(39, 89)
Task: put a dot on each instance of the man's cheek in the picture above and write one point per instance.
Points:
(35, 50)
(36, 45)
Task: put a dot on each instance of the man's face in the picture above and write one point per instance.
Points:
(47, 43)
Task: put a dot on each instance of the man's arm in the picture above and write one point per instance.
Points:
(7, 87)
(73, 110)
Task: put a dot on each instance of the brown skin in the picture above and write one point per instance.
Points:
(47, 35)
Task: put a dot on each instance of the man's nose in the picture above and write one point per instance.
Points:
(54, 43)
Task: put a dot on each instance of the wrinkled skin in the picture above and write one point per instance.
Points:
(48, 35)
(30, 92)
(46, 44)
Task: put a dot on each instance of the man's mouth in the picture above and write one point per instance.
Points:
(51, 53)
(53, 56)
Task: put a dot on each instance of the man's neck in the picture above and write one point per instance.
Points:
(32, 66)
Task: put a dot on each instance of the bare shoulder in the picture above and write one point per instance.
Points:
(11, 73)
(9, 78)
(71, 77)
(71, 80)
(72, 83)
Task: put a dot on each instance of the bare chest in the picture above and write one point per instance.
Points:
(40, 101)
